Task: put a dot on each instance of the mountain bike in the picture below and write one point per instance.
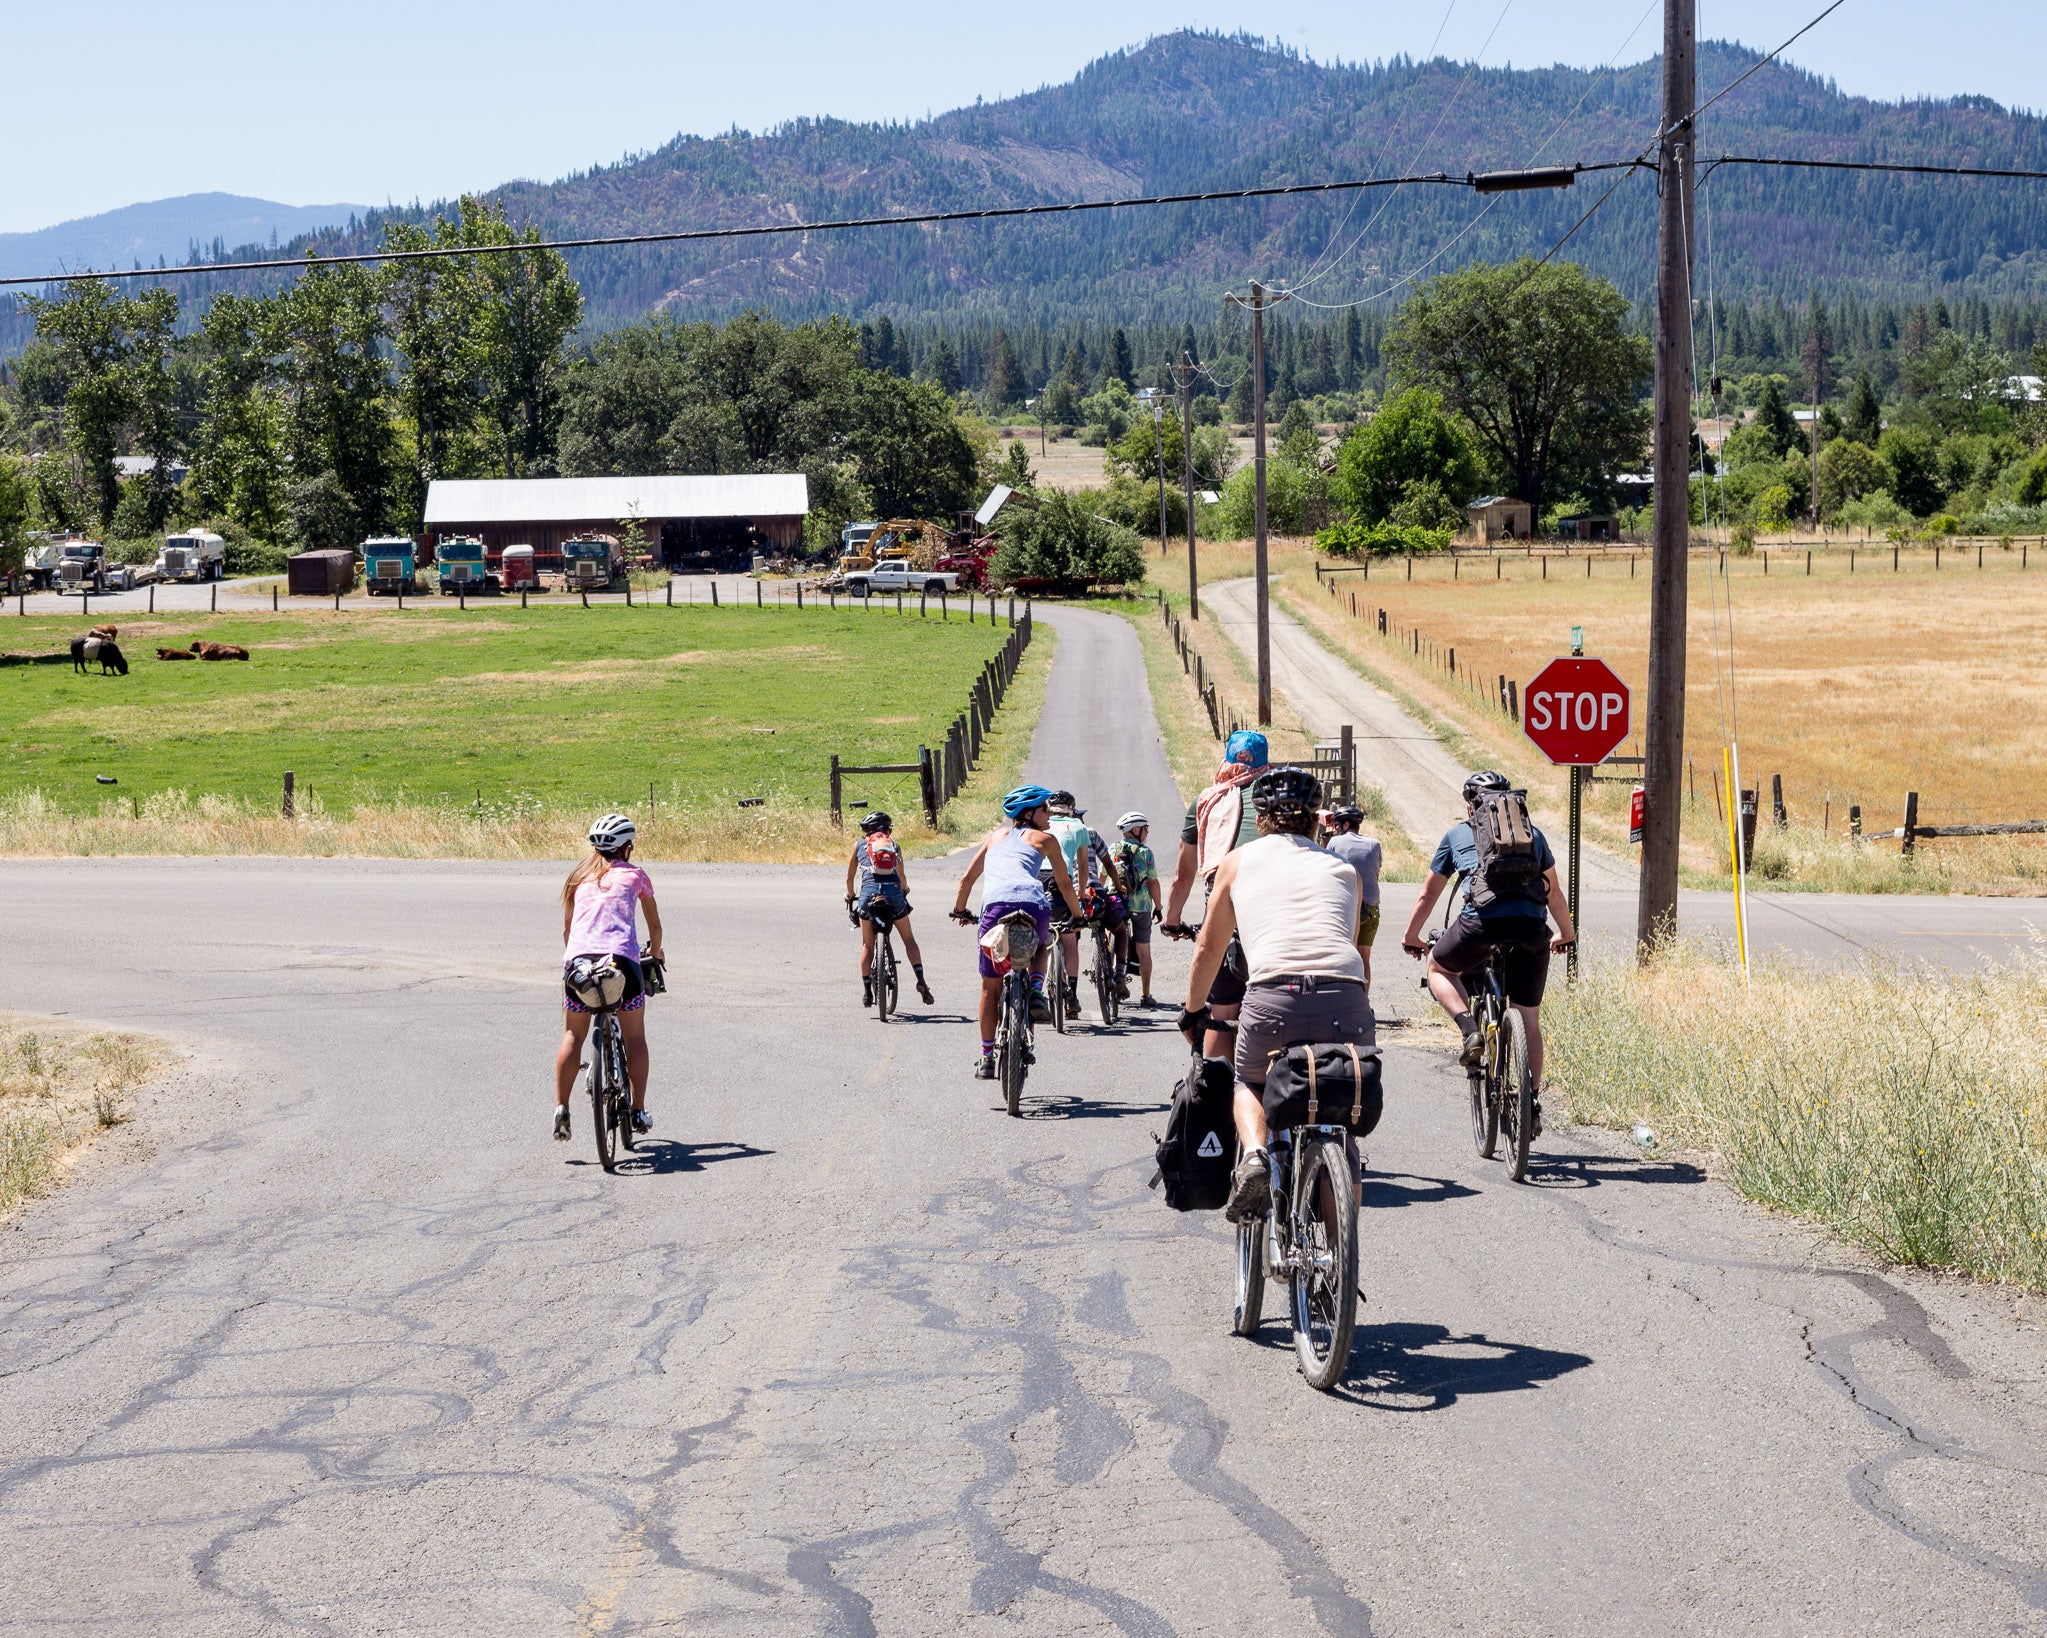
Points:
(1502, 1093)
(1107, 973)
(1013, 1054)
(611, 1092)
(1055, 974)
(1309, 1238)
(887, 987)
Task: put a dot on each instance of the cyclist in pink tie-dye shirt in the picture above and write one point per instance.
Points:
(601, 902)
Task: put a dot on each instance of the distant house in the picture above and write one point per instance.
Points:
(140, 466)
(1498, 517)
(1589, 526)
(713, 522)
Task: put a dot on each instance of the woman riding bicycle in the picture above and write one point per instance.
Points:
(599, 901)
(1010, 857)
(877, 887)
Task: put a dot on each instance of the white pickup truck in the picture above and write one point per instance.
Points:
(894, 575)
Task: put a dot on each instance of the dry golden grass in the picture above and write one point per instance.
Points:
(1900, 1110)
(1855, 689)
(59, 1086)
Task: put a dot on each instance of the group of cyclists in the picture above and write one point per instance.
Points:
(1282, 955)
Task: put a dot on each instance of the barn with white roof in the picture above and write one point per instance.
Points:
(694, 522)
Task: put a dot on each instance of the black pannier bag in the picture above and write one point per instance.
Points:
(1333, 1084)
(1200, 1146)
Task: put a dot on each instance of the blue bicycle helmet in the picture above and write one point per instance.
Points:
(1024, 798)
(1247, 746)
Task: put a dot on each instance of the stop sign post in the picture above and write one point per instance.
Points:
(1576, 712)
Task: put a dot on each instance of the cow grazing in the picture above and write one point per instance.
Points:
(107, 653)
(175, 654)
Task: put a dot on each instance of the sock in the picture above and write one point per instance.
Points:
(1037, 983)
(917, 967)
(1465, 1022)
(987, 1049)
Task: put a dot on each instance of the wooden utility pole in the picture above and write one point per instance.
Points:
(1258, 511)
(1663, 744)
(1183, 373)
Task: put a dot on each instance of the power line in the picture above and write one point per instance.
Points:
(1871, 165)
(1760, 62)
(691, 235)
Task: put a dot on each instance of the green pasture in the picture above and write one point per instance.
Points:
(557, 704)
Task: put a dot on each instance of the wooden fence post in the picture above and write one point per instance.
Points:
(1855, 821)
(290, 795)
(1911, 821)
(714, 592)
(759, 601)
(927, 786)
(838, 819)
(1779, 819)
(1348, 751)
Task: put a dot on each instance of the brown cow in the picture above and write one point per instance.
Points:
(175, 654)
(220, 651)
(106, 633)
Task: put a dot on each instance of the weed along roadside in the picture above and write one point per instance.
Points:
(487, 732)
(60, 1086)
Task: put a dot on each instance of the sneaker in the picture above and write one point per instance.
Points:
(1150, 1002)
(643, 1123)
(1472, 1051)
(1250, 1186)
(866, 992)
(1041, 1009)
(1123, 990)
(984, 1067)
(561, 1123)
(1535, 1119)
(924, 994)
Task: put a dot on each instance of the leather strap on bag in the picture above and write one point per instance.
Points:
(1357, 1085)
(1314, 1095)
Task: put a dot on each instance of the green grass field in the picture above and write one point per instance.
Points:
(555, 706)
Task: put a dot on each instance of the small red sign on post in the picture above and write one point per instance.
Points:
(1635, 809)
(1576, 712)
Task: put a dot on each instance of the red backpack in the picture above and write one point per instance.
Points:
(882, 855)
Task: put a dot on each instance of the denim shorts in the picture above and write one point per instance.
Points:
(895, 903)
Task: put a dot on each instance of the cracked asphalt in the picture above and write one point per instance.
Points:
(333, 1339)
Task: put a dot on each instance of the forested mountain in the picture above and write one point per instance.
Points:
(164, 230)
(1195, 111)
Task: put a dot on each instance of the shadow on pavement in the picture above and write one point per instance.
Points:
(1410, 1367)
(1066, 1106)
(661, 1157)
(1382, 1189)
(1589, 1171)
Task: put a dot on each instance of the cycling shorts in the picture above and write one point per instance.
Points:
(635, 987)
(1295, 1013)
(1040, 914)
(893, 902)
(1228, 988)
(1523, 943)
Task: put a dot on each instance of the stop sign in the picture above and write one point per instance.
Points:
(1576, 711)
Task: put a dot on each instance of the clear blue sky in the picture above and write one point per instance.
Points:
(381, 100)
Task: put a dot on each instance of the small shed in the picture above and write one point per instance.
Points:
(1500, 517)
(320, 574)
(1590, 526)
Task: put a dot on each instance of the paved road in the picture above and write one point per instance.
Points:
(1097, 735)
(332, 1339)
(1422, 782)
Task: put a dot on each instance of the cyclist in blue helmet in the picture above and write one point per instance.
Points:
(1219, 821)
(1007, 864)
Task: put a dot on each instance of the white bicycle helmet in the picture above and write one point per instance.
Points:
(1132, 821)
(612, 832)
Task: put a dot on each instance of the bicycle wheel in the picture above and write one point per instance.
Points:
(1517, 1095)
(601, 1097)
(1055, 985)
(1016, 1032)
(1250, 1307)
(1325, 1262)
(1105, 978)
(1485, 1102)
(884, 974)
(621, 1089)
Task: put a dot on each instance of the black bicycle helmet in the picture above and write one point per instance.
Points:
(1484, 780)
(1349, 814)
(1062, 802)
(1286, 790)
(877, 820)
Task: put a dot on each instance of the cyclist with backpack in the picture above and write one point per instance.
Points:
(1076, 842)
(1219, 820)
(1140, 873)
(1511, 894)
(1364, 854)
(1292, 905)
(1007, 864)
(600, 903)
(877, 884)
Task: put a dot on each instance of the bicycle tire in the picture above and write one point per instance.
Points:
(621, 1092)
(1324, 1279)
(1485, 1095)
(895, 974)
(1055, 985)
(884, 975)
(1250, 1308)
(1517, 1095)
(1017, 1033)
(601, 1099)
(1105, 979)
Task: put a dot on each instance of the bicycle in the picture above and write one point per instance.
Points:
(1502, 1093)
(611, 1092)
(1013, 1054)
(1107, 973)
(1308, 1236)
(886, 984)
(1055, 974)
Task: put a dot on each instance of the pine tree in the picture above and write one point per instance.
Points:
(1350, 355)
(1119, 361)
(1190, 349)
(1005, 377)
(945, 366)
(1865, 414)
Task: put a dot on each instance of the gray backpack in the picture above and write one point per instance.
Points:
(1507, 864)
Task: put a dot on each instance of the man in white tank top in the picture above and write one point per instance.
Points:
(1294, 907)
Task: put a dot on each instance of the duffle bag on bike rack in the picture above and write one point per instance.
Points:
(1200, 1146)
(596, 981)
(1331, 1084)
